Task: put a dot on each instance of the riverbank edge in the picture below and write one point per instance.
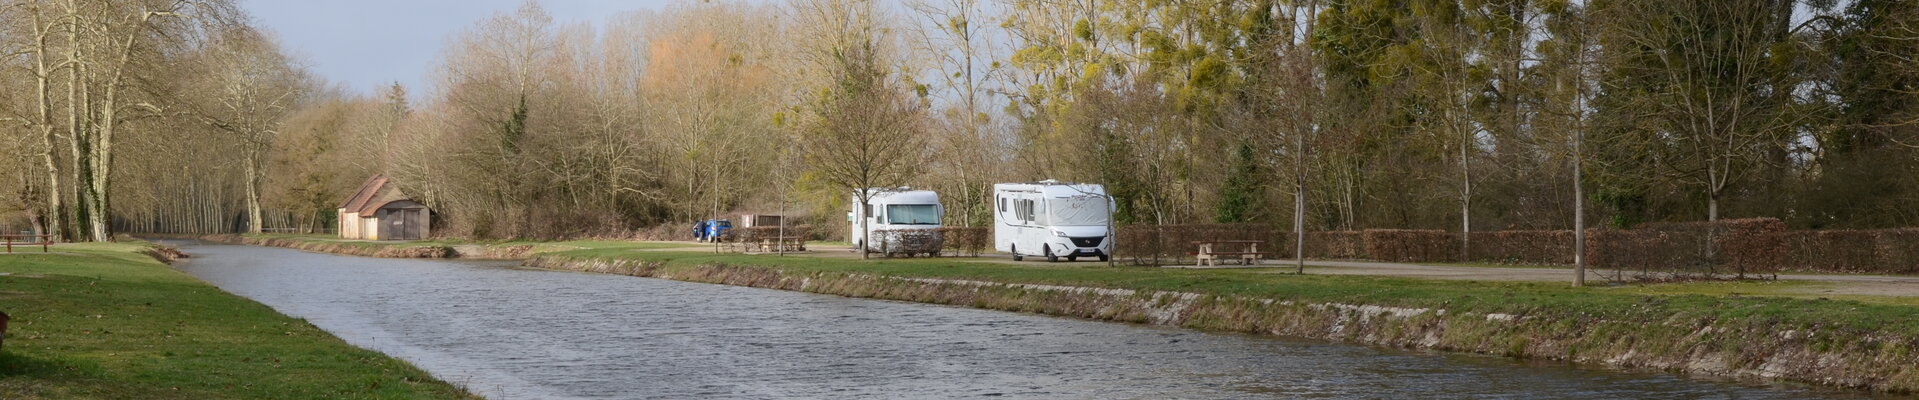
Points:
(1730, 348)
(383, 249)
(1618, 344)
(354, 371)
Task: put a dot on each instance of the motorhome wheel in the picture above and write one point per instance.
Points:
(1048, 249)
(1016, 256)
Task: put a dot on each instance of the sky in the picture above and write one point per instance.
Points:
(369, 44)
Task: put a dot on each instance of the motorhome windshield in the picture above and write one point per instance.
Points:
(913, 214)
(1077, 211)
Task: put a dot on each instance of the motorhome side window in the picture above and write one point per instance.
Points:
(1002, 204)
(1025, 210)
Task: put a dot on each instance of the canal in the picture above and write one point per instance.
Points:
(513, 333)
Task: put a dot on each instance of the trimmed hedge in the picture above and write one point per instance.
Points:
(1523, 247)
(1163, 244)
(965, 241)
(1409, 245)
(1881, 251)
(1741, 247)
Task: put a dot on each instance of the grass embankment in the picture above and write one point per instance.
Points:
(105, 321)
(435, 248)
(1707, 331)
(1741, 329)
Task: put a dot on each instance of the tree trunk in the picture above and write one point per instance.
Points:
(254, 221)
(1299, 202)
(1579, 211)
(1712, 191)
(1466, 200)
(55, 214)
(866, 230)
(76, 135)
(1712, 206)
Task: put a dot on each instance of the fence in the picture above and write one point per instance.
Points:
(1740, 247)
(44, 241)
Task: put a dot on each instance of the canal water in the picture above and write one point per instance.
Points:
(515, 333)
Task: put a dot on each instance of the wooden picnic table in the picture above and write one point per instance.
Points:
(770, 244)
(1209, 254)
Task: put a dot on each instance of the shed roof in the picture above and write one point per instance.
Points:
(365, 193)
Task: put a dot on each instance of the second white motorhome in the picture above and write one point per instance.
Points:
(1053, 220)
(911, 215)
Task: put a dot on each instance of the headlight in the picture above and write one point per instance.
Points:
(1059, 234)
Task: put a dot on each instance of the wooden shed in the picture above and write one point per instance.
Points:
(378, 211)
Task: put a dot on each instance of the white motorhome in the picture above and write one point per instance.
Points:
(1053, 220)
(900, 209)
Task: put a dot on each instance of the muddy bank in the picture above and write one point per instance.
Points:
(1745, 349)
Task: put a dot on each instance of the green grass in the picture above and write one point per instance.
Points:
(102, 321)
(1650, 303)
(1811, 290)
(540, 246)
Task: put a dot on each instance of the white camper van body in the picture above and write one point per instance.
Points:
(1053, 220)
(895, 209)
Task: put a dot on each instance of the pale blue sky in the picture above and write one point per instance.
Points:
(368, 44)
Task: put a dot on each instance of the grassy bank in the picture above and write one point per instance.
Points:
(1710, 332)
(436, 248)
(105, 321)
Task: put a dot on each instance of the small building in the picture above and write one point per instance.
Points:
(378, 211)
(753, 220)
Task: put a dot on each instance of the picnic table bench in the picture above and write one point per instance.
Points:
(772, 244)
(27, 240)
(1209, 253)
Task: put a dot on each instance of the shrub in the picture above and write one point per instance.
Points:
(1162, 244)
(968, 241)
(1411, 245)
(1340, 245)
(1741, 247)
(1523, 247)
(1887, 251)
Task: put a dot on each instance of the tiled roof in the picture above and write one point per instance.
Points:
(365, 194)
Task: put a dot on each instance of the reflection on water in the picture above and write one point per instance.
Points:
(513, 333)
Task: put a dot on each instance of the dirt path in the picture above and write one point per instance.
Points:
(1861, 285)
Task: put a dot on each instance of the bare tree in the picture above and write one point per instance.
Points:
(246, 90)
(1573, 72)
(865, 131)
(1708, 79)
(954, 34)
